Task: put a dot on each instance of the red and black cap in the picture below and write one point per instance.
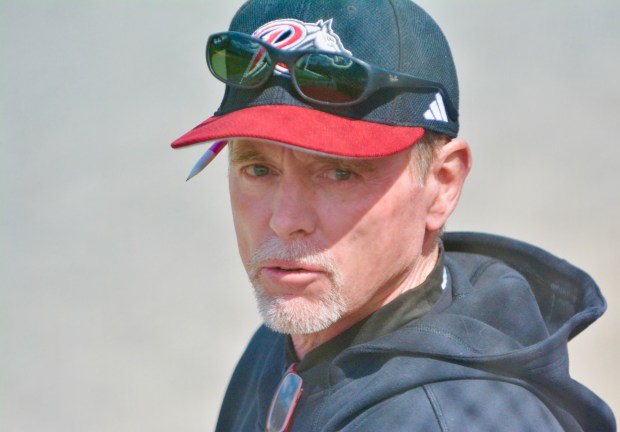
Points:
(396, 35)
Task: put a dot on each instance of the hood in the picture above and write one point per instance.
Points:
(568, 299)
(507, 314)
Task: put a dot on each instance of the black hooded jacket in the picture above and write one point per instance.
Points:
(490, 355)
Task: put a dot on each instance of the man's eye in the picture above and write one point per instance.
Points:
(257, 170)
(338, 174)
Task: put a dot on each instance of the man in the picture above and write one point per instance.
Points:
(341, 119)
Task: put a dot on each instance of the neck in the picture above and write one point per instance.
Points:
(304, 343)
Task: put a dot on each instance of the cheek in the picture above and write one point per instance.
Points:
(401, 232)
(383, 244)
(250, 221)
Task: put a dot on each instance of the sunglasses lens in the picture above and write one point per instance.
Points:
(238, 61)
(284, 403)
(330, 78)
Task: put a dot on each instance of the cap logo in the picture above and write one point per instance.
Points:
(437, 110)
(292, 34)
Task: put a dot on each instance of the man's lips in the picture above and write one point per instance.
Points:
(290, 274)
(291, 266)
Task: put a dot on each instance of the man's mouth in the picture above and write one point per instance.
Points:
(290, 275)
(292, 267)
(289, 269)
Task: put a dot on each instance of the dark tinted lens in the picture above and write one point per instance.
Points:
(238, 61)
(284, 402)
(330, 77)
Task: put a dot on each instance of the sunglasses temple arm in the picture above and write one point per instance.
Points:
(206, 158)
(402, 81)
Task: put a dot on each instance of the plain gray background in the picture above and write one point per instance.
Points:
(123, 304)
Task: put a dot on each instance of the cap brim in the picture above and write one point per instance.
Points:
(306, 128)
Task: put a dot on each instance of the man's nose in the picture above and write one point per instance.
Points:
(293, 212)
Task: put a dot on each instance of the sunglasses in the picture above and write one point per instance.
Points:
(284, 401)
(321, 77)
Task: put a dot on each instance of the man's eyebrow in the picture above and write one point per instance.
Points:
(245, 154)
(362, 165)
(249, 153)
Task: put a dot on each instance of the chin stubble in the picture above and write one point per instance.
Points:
(299, 315)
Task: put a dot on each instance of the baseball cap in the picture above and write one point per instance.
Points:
(396, 35)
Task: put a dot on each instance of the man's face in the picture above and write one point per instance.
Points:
(325, 240)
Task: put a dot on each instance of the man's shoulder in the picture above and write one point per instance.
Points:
(466, 406)
(264, 342)
(264, 354)
(253, 382)
(264, 333)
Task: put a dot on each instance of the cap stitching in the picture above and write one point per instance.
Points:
(393, 109)
(398, 32)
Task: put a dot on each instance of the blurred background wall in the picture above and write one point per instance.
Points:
(123, 304)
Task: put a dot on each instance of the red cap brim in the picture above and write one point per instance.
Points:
(306, 128)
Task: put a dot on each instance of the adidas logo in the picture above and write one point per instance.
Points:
(437, 110)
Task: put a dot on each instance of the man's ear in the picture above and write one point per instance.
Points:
(447, 175)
